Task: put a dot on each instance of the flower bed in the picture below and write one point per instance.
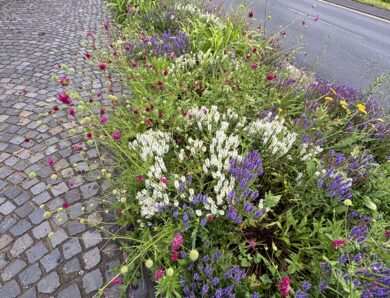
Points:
(233, 179)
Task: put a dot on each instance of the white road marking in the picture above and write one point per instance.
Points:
(356, 11)
(298, 12)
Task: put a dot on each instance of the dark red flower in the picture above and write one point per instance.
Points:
(89, 135)
(64, 81)
(210, 218)
(387, 234)
(56, 108)
(50, 161)
(102, 66)
(26, 140)
(160, 85)
(134, 63)
(139, 179)
(148, 122)
(102, 111)
(270, 76)
(160, 114)
(87, 56)
(338, 243)
(252, 243)
(65, 205)
(164, 180)
(254, 66)
(251, 14)
(64, 98)
(165, 73)
(72, 111)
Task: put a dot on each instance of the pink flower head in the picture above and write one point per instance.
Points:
(116, 135)
(65, 205)
(103, 119)
(71, 183)
(72, 111)
(78, 148)
(90, 34)
(270, 76)
(89, 135)
(116, 281)
(87, 56)
(139, 179)
(338, 243)
(105, 25)
(387, 234)
(50, 161)
(177, 241)
(160, 85)
(174, 256)
(159, 274)
(284, 286)
(252, 243)
(254, 66)
(134, 63)
(64, 98)
(164, 180)
(251, 14)
(64, 81)
(102, 66)
(27, 140)
(316, 18)
(102, 111)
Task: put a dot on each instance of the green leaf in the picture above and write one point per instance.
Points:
(311, 168)
(265, 279)
(370, 204)
(271, 200)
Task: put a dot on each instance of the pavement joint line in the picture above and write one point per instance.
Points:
(356, 10)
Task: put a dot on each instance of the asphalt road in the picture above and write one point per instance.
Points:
(336, 43)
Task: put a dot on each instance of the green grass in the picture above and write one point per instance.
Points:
(385, 4)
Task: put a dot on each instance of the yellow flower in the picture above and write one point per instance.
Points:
(344, 104)
(329, 98)
(348, 203)
(361, 107)
(331, 89)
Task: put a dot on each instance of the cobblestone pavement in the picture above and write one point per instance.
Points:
(36, 36)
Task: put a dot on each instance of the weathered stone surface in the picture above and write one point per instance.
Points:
(12, 269)
(72, 266)
(91, 238)
(5, 240)
(72, 291)
(21, 244)
(10, 290)
(71, 248)
(36, 252)
(49, 283)
(30, 275)
(42, 230)
(92, 281)
(20, 227)
(30, 293)
(58, 237)
(51, 260)
(7, 208)
(91, 258)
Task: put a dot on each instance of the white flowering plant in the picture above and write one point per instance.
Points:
(228, 177)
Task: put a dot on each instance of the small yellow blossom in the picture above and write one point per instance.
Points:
(362, 108)
(124, 269)
(348, 203)
(329, 98)
(344, 104)
(149, 263)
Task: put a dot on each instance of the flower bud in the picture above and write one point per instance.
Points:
(170, 272)
(194, 254)
(149, 263)
(124, 269)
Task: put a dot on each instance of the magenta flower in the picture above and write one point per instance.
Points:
(64, 98)
(252, 243)
(164, 180)
(338, 243)
(72, 111)
(65, 205)
(254, 66)
(102, 66)
(116, 281)
(90, 34)
(116, 135)
(270, 76)
(177, 241)
(103, 119)
(159, 274)
(251, 14)
(139, 179)
(316, 18)
(284, 286)
(174, 256)
(64, 81)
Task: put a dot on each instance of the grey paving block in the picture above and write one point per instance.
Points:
(30, 275)
(36, 252)
(92, 281)
(71, 248)
(49, 283)
(72, 291)
(21, 244)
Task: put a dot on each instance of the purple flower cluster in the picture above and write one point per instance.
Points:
(336, 186)
(245, 172)
(170, 45)
(203, 279)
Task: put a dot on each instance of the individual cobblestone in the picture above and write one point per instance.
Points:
(51, 260)
(92, 281)
(72, 291)
(49, 283)
(42, 230)
(21, 244)
(36, 252)
(71, 248)
(12, 269)
(10, 290)
(30, 275)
